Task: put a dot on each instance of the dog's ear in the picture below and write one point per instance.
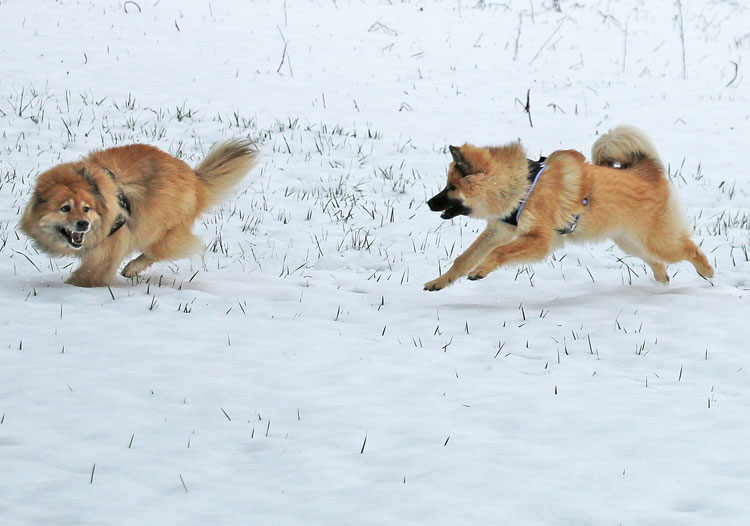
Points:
(38, 199)
(461, 163)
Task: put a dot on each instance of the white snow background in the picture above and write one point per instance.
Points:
(296, 372)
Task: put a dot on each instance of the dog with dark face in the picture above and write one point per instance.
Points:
(126, 199)
(534, 207)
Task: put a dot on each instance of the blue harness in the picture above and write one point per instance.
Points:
(536, 168)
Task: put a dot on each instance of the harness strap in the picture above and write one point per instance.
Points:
(531, 189)
(574, 223)
(120, 221)
(124, 203)
(536, 168)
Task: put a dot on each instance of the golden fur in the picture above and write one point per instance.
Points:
(76, 207)
(624, 196)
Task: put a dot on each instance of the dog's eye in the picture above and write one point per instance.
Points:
(451, 187)
(65, 209)
(86, 209)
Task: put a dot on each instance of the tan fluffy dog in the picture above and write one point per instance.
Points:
(531, 208)
(132, 198)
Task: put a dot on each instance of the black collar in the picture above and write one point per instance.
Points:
(534, 168)
(120, 221)
(124, 203)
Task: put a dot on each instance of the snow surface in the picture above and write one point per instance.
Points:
(296, 373)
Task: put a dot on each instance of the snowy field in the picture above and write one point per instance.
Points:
(296, 372)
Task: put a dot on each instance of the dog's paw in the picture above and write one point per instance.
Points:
(437, 284)
(128, 272)
(479, 273)
(131, 270)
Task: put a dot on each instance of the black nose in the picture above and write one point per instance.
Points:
(82, 225)
(438, 202)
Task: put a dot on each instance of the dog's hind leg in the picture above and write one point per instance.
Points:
(176, 243)
(680, 249)
(657, 267)
(136, 266)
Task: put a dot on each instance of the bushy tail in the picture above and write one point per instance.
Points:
(225, 166)
(625, 146)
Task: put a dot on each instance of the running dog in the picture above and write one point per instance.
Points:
(126, 199)
(533, 207)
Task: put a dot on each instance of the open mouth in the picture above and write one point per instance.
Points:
(456, 210)
(74, 238)
(450, 207)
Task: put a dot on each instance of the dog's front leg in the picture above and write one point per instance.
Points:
(492, 236)
(98, 267)
(526, 248)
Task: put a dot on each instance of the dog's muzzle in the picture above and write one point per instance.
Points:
(450, 207)
(75, 236)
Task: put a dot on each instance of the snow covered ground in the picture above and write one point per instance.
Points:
(296, 373)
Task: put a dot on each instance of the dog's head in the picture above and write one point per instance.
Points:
(450, 200)
(66, 212)
(482, 182)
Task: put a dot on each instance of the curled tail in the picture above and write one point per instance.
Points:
(624, 146)
(225, 166)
